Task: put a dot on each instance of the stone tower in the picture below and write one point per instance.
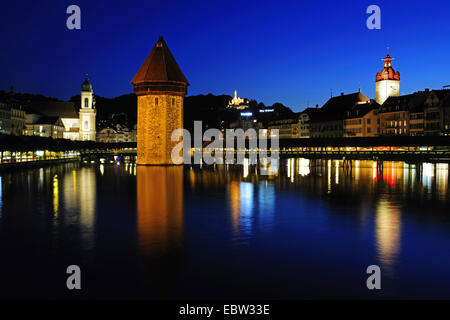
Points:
(387, 82)
(87, 112)
(160, 87)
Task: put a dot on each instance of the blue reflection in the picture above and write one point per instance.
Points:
(246, 219)
(266, 203)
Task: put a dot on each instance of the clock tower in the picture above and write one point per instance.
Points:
(87, 112)
(387, 82)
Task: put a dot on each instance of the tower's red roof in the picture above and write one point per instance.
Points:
(159, 72)
(388, 73)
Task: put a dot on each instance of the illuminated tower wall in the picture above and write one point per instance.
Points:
(87, 112)
(387, 82)
(160, 86)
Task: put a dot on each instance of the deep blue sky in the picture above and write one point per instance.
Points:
(291, 52)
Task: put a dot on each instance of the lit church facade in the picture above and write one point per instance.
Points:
(82, 128)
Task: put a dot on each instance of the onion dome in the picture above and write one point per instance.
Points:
(86, 85)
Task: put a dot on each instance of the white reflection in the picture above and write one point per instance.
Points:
(337, 172)
(290, 169)
(427, 175)
(102, 169)
(274, 166)
(304, 168)
(388, 233)
(245, 168)
(329, 176)
(442, 179)
(79, 194)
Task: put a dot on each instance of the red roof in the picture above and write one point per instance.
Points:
(159, 72)
(388, 73)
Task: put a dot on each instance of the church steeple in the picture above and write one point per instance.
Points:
(86, 85)
(387, 81)
(388, 72)
(87, 114)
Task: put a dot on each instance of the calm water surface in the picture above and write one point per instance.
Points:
(309, 230)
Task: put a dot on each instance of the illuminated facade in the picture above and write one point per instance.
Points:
(387, 82)
(160, 86)
(238, 103)
(87, 112)
(81, 126)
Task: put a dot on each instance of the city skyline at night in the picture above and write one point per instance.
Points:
(297, 54)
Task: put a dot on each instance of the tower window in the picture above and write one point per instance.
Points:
(86, 103)
(173, 101)
(156, 101)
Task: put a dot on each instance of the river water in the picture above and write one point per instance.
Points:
(308, 230)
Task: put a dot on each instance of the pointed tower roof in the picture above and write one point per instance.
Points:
(160, 73)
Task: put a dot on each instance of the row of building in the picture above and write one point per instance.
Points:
(61, 120)
(423, 113)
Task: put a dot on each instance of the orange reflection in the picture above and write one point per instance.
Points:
(235, 199)
(159, 206)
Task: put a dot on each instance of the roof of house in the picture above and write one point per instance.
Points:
(362, 109)
(336, 107)
(413, 102)
(54, 109)
(49, 120)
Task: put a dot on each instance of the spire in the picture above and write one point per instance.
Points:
(235, 94)
(86, 85)
(388, 72)
(160, 72)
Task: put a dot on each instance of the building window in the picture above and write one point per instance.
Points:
(86, 125)
(156, 101)
(173, 101)
(86, 102)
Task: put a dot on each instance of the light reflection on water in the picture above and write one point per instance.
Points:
(302, 213)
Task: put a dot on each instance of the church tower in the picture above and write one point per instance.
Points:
(160, 87)
(87, 112)
(387, 82)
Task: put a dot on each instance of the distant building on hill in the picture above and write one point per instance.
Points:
(238, 103)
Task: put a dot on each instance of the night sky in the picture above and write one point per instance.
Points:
(271, 51)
